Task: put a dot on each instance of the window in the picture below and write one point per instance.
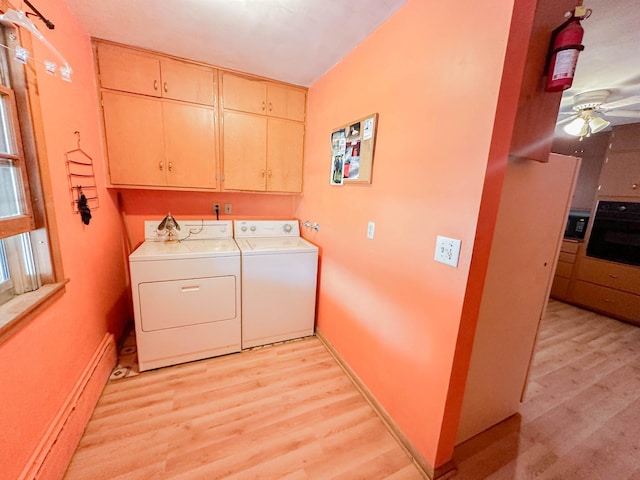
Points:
(26, 261)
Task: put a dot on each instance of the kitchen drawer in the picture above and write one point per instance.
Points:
(560, 288)
(564, 269)
(567, 257)
(606, 300)
(610, 274)
(569, 247)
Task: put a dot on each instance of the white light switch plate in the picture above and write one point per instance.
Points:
(447, 250)
(371, 230)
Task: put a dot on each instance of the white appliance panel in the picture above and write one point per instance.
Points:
(278, 297)
(185, 344)
(177, 303)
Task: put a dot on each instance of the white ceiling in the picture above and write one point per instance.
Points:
(295, 41)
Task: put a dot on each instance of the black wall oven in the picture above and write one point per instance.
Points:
(615, 233)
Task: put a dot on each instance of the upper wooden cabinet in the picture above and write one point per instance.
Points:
(133, 71)
(261, 97)
(620, 174)
(159, 143)
(262, 153)
(262, 135)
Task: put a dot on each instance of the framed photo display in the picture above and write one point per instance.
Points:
(352, 149)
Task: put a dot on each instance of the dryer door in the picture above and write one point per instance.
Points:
(178, 303)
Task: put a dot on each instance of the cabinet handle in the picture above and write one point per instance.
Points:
(634, 186)
(170, 166)
(155, 84)
(262, 173)
(613, 276)
(270, 106)
(161, 165)
(166, 89)
(263, 105)
(606, 300)
(269, 173)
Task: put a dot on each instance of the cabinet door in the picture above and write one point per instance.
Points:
(620, 175)
(244, 150)
(190, 145)
(286, 102)
(134, 137)
(239, 93)
(187, 82)
(128, 70)
(285, 145)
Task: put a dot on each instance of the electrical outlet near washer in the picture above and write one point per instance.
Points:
(447, 250)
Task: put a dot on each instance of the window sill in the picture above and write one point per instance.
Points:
(19, 311)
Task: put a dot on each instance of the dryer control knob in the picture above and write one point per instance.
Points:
(253, 228)
(287, 227)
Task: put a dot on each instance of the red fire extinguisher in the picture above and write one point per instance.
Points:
(564, 50)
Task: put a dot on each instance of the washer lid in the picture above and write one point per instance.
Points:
(280, 245)
(152, 250)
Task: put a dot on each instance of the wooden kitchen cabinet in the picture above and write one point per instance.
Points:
(620, 175)
(129, 70)
(564, 269)
(607, 287)
(159, 143)
(262, 97)
(262, 135)
(261, 153)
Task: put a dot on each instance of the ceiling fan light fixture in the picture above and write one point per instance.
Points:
(597, 124)
(577, 127)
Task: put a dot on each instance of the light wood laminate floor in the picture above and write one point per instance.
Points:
(580, 418)
(289, 412)
(282, 412)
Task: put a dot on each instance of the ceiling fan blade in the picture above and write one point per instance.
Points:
(566, 120)
(623, 113)
(621, 103)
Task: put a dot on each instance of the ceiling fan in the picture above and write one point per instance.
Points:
(590, 110)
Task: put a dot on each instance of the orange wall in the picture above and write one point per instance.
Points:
(433, 73)
(42, 362)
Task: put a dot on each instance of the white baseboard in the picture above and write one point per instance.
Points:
(53, 454)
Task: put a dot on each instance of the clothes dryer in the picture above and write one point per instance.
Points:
(186, 294)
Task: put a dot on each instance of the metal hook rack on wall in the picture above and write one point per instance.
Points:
(81, 176)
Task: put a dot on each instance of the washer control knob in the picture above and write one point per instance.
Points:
(243, 228)
(287, 228)
(253, 228)
(223, 229)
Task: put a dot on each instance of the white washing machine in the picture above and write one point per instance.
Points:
(279, 277)
(186, 294)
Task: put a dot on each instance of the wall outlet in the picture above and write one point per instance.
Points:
(447, 250)
(216, 207)
(371, 230)
(227, 209)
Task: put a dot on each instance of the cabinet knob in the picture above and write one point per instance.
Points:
(263, 105)
(166, 89)
(262, 173)
(161, 165)
(634, 186)
(269, 173)
(270, 106)
(155, 84)
(170, 166)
